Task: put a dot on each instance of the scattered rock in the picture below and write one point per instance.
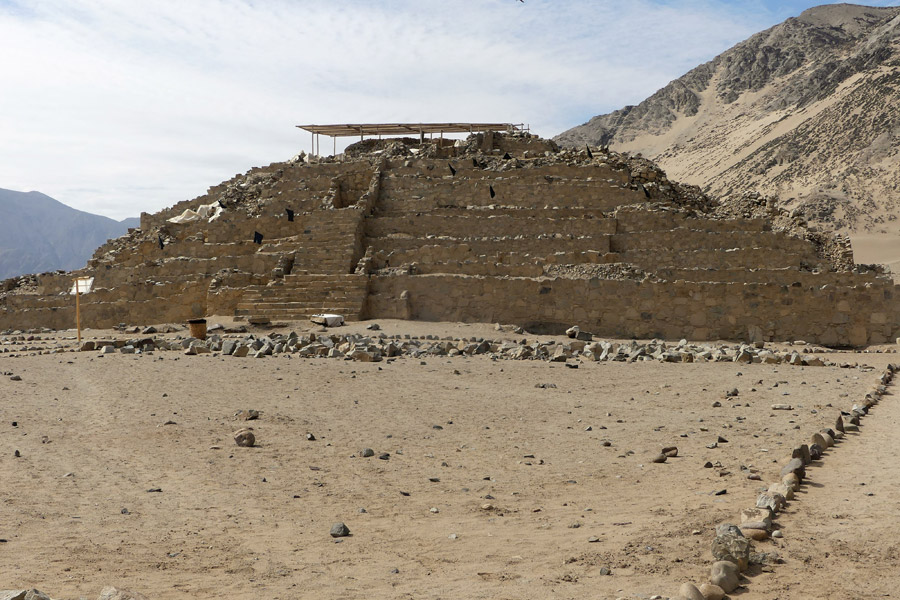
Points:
(755, 534)
(339, 530)
(724, 574)
(731, 545)
(31, 594)
(757, 515)
(689, 591)
(111, 593)
(244, 438)
(795, 466)
(712, 592)
(815, 451)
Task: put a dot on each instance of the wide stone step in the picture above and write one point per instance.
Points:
(279, 304)
(349, 313)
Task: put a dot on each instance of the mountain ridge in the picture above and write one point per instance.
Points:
(801, 111)
(41, 234)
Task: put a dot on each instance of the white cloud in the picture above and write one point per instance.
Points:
(117, 107)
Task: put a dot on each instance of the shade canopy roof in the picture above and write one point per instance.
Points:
(361, 129)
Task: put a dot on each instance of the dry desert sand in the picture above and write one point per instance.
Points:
(493, 487)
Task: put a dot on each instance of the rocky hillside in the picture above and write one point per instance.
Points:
(805, 111)
(38, 234)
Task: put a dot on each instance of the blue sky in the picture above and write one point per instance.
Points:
(118, 107)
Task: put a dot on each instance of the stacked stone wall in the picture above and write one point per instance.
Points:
(556, 244)
(620, 308)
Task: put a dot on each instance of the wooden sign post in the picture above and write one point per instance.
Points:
(78, 310)
(82, 285)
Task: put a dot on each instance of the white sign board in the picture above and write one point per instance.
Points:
(84, 285)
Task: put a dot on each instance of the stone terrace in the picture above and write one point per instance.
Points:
(516, 232)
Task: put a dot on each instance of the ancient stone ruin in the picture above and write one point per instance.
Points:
(497, 228)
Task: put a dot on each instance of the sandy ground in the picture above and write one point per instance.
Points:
(462, 433)
(882, 249)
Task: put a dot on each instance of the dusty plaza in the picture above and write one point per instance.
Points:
(489, 477)
(491, 368)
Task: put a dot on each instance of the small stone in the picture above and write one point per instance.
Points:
(248, 415)
(17, 454)
(244, 438)
(802, 452)
(815, 451)
(721, 440)
(310, 437)
(795, 465)
(659, 458)
(774, 502)
(724, 574)
(792, 481)
(689, 591)
(757, 515)
(604, 570)
(783, 490)
(818, 438)
(731, 545)
(15, 378)
(755, 534)
(670, 451)
(367, 452)
(777, 534)
(112, 593)
(339, 530)
(385, 456)
(712, 592)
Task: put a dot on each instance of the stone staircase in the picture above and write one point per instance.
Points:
(299, 296)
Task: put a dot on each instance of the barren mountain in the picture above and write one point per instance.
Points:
(805, 111)
(38, 233)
